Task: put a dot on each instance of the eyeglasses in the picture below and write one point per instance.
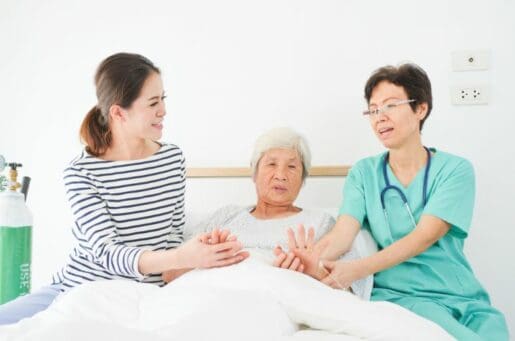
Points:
(387, 107)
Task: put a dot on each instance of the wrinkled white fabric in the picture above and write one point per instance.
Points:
(248, 301)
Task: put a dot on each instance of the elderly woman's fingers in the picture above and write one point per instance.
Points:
(204, 238)
(287, 262)
(279, 259)
(301, 268)
(292, 243)
(223, 236)
(231, 238)
(311, 238)
(295, 264)
(215, 236)
(301, 237)
(278, 250)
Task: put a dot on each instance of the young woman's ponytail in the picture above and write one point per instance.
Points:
(95, 132)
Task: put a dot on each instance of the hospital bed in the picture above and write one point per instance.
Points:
(248, 301)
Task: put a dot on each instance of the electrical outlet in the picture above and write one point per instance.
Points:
(470, 94)
(470, 60)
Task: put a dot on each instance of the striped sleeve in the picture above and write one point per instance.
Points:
(179, 215)
(94, 227)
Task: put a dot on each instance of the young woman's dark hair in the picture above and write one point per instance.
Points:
(411, 77)
(118, 80)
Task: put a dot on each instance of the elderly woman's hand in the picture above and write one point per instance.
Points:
(217, 236)
(170, 275)
(305, 249)
(303, 255)
(287, 260)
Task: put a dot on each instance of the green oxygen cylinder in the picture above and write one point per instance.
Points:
(15, 241)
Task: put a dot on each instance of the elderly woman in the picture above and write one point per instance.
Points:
(280, 164)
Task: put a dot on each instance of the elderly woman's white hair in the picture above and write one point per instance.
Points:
(282, 138)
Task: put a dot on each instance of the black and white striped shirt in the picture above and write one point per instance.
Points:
(122, 208)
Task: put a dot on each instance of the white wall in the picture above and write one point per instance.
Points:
(234, 68)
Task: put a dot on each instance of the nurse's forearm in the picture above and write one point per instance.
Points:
(429, 230)
(339, 240)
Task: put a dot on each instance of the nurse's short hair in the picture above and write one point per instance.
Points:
(282, 138)
(409, 76)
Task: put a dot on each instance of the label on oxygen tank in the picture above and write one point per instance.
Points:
(15, 260)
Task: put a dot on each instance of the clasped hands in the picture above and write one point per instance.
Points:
(217, 248)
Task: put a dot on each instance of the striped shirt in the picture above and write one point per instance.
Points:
(122, 208)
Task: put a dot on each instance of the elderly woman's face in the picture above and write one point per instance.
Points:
(278, 176)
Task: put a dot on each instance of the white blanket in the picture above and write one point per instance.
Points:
(248, 301)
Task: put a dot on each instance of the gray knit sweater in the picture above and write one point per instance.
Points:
(268, 233)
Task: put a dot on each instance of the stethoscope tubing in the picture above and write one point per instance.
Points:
(388, 187)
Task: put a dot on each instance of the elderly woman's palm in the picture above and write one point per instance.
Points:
(303, 256)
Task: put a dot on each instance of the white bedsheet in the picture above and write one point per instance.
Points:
(248, 301)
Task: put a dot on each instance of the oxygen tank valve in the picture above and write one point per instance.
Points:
(13, 175)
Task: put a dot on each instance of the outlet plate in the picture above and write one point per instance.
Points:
(470, 94)
(470, 60)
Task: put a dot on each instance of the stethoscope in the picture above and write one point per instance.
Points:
(388, 187)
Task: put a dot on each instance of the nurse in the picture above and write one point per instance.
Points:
(417, 203)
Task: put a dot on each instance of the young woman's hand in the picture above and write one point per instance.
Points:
(207, 251)
(217, 236)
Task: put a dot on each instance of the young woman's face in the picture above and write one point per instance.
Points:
(399, 124)
(146, 114)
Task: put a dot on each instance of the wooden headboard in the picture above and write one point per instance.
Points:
(212, 172)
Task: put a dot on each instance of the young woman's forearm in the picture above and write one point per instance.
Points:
(159, 261)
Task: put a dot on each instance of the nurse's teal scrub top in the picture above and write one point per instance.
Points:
(442, 272)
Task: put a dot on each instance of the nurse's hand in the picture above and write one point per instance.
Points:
(341, 274)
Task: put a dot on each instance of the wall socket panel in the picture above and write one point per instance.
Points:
(470, 94)
(471, 60)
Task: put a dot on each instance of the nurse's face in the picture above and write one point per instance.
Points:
(398, 125)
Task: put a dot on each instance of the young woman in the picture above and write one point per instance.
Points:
(126, 191)
(417, 202)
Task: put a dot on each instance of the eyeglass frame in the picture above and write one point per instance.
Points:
(387, 107)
